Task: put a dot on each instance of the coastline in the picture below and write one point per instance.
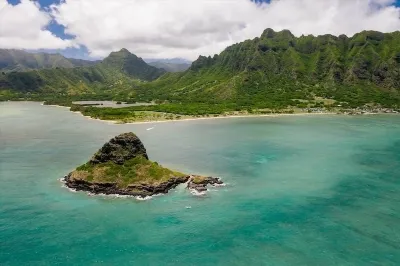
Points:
(272, 115)
(218, 117)
(142, 191)
(116, 122)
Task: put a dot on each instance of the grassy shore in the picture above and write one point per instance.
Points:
(184, 112)
(153, 117)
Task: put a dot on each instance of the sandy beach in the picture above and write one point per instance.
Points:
(116, 122)
(225, 117)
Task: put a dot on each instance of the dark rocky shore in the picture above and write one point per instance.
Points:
(140, 190)
(118, 151)
(203, 182)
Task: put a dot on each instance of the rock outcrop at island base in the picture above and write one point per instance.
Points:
(200, 184)
(137, 190)
(122, 167)
(142, 190)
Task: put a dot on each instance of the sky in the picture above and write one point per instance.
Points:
(91, 29)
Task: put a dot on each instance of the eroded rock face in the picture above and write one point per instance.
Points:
(119, 149)
(141, 190)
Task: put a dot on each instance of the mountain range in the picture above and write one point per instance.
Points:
(170, 67)
(175, 60)
(277, 68)
(273, 70)
(19, 60)
(119, 69)
(12, 60)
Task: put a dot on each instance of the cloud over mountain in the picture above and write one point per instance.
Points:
(182, 28)
(169, 28)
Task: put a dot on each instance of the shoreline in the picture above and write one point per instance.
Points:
(116, 122)
(272, 115)
(142, 191)
(217, 117)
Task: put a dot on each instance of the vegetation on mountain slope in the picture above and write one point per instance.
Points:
(131, 65)
(19, 60)
(275, 70)
(119, 71)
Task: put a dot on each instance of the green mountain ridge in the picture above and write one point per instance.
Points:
(19, 60)
(119, 70)
(274, 70)
(132, 65)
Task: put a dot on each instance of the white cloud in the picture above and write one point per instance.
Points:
(186, 28)
(23, 27)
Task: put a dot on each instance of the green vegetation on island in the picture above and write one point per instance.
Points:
(133, 171)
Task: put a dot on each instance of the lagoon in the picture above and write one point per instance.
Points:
(111, 104)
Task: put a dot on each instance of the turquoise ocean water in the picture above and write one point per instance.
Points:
(310, 190)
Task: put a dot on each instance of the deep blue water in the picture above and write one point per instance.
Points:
(310, 190)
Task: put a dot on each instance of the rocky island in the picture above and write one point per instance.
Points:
(122, 167)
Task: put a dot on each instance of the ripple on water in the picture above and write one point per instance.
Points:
(302, 191)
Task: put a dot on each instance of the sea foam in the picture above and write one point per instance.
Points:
(197, 193)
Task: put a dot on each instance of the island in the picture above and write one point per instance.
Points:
(122, 167)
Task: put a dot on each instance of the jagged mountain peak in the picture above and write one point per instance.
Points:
(130, 64)
(270, 33)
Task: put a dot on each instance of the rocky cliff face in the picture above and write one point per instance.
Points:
(119, 149)
(137, 190)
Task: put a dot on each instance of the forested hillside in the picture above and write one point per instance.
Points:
(273, 71)
(277, 68)
(117, 72)
(19, 60)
